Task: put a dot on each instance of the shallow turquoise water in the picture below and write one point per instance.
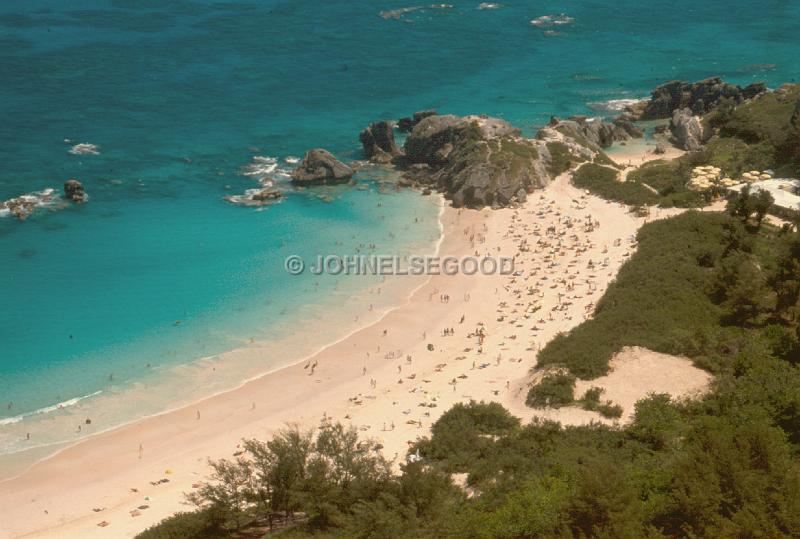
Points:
(181, 94)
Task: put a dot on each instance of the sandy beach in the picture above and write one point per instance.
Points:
(458, 338)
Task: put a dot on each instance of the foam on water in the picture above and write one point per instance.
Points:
(261, 166)
(85, 148)
(615, 105)
(47, 409)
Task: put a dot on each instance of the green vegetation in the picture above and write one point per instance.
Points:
(553, 390)
(735, 156)
(750, 208)
(657, 182)
(602, 158)
(591, 401)
(603, 181)
(761, 134)
(561, 159)
(478, 425)
(767, 119)
(669, 180)
(192, 525)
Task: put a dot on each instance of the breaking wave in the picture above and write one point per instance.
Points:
(47, 409)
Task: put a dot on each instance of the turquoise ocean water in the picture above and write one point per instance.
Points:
(181, 95)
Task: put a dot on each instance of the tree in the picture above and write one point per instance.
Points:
(279, 469)
(761, 205)
(750, 208)
(227, 492)
(655, 422)
(553, 390)
(341, 471)
(787, 280)
(741, 288)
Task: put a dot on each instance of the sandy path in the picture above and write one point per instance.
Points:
(405, 388)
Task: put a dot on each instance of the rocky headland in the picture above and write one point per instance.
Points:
(699, 97)
(685, 103)
(477, 161)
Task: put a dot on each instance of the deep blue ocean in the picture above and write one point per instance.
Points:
(181, 95)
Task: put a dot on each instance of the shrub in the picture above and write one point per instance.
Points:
(553, 390)
(591, 401)
(602, 158)
(465, 430)
(561, 158)
(669, 181)
(602, 181)
(734, 156)
(203, 524)
(767, 119)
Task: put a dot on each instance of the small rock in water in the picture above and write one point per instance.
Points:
(320, 167)
(73, 190)
(85, 148)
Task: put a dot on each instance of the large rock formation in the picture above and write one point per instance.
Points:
(433, 138)
(320, 167)
(595, 133)
(688, 131)
(478, 161)
(699, 97)
(475, 161)
(378, 142)
(73, 191)
(405, 125)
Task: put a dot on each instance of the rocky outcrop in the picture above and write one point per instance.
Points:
(378, 142)
(74, 192)
(320, 167)
(256, 197)
(626, 124)
(435, 137)
(405, 125)
(699, 97)
(432, 139)
(594, 133)
(23, 206)
(688, 131)
(268, 194)
(475, 161)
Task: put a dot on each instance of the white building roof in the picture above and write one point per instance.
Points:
(782, 190)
